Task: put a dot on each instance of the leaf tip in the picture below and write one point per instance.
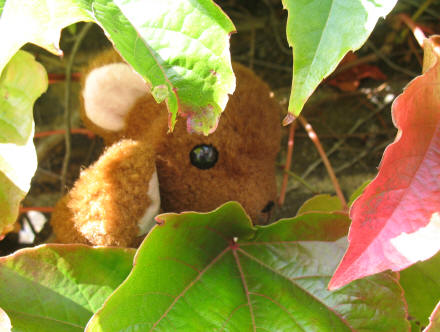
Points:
(159, 221)
(202, 121)
(333, 285)
(289, 119)
(160, 93)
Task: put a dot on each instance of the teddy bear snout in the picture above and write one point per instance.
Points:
(268, 207)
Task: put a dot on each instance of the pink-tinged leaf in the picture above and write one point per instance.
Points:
(434, 320)
(396, 221)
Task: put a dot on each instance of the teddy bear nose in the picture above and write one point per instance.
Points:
(269, 206)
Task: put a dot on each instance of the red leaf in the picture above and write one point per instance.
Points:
(396, 221)
(349, 79)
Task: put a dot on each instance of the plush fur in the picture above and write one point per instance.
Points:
(113, 200)
(102, 89)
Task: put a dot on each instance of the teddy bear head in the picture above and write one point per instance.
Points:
(194, 172)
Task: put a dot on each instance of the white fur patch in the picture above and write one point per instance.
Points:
(110, 92)
(147, 221)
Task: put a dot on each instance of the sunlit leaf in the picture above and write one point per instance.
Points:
(434, 320)
(39, 22)
(421, 283)
(396, 221)
(59, 287)
(323, 203)
(321, 32)
(180, 47)
(358, 192)
(214, 271)
(2, 4)
(21, 83)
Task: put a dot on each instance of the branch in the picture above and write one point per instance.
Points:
(67, 111)
(312, 135)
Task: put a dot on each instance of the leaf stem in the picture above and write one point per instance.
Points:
(43, 209)
(312, 135)
(417, 32)
(299, 179)
(67, 110)
(82, 131)
(415, 16)
(290, 144)
(341, 141)
(388, 61)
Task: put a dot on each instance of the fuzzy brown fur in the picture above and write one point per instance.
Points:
(105, 203)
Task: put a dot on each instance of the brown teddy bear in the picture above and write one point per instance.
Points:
(145, 169)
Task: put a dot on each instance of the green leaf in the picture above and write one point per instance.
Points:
(434, 320)
(421, 283)
(72, 29)
(322, 203)
(2, 4)
(183, 45)
(38, 22)
(21, 83)
(358, 192)
(10, 198)
(59, 287)
(215, 271)
(180, 47)
(321, 32)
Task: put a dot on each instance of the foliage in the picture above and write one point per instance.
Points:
(216, 270)
(21, 83)
(434, 320)
(406, 187)
(324, 202)
(421, 283)
(61, 286)
(187, 64)
(180, 47)
(202, 272)
(321, 33)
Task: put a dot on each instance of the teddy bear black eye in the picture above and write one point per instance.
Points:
(203, 156)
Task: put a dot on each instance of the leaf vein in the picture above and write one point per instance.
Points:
(245, 286)
(294, 283)
(192, 283)
(46, 318)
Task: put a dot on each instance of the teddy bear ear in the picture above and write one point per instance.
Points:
(110, 92)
